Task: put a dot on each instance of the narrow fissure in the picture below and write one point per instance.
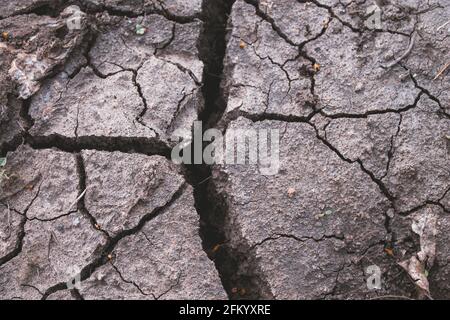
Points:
(235, 269)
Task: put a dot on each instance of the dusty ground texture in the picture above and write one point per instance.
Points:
(88, 117)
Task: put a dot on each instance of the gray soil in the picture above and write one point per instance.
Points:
(87, 117)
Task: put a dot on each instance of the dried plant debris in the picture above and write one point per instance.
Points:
(418, 266)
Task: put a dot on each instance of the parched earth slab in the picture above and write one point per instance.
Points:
(134, 186)
(164, 257)
(119, 46)
(419, 168)
(177, 9)
(136, 86)
(429, 59)
(159, 250)
(264, 73)
(48, 241)
(369, 139)
(43, 184)
(406, 151)
(328, 201)
(89, 106)
(353, 78)
(423, 22)
(164, 260)
(397, 17)
(53, 252)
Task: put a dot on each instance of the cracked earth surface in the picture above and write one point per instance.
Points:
(87, 118)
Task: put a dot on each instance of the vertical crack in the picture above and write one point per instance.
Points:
(209, 203)
(81, 205)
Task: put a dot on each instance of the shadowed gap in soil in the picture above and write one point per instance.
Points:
(235, 271)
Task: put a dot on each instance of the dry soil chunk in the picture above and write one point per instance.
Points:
(89, 106)
(369, 139)
(43, 184)
(163, 259)
(264, 73)
(121, 43)
(315, 196)
(419, 170)
(429, 59)
(173, 98)
(352, 78)
(167, 255)
(53, 252)
(123, 188)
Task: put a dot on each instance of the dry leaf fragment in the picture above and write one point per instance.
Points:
(316, 67)
(216, 248)
(389, 251)
(423, 225)
(291, 192)
(417, 272)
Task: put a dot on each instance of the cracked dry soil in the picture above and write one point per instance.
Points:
(87, 115)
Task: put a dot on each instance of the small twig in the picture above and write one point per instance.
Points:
(203, 181)
(403, 56)
(439, 28)
(442, 71)
(78, 199)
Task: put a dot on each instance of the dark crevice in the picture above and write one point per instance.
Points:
(76, 294)
(21, 235)
(235, 272)
(147, 146)
(372, 112)
(48, 8)
(18, 248)
(212, 48)
(235, 114)
(391, 150)
(82, 187)
(92, 8)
